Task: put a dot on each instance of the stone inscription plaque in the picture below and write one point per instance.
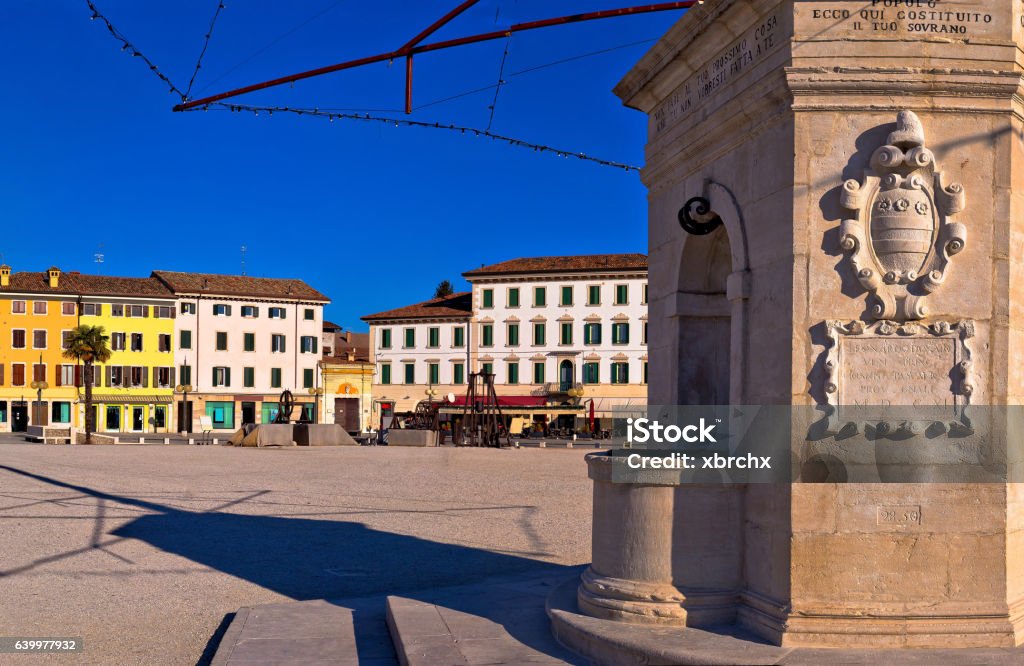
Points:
(896, 371)
(899, 515)
(888, 19)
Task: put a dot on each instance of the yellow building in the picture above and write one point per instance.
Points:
(38, 386)
(347, 397)
(134, 390)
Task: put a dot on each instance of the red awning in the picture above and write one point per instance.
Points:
(506, 401)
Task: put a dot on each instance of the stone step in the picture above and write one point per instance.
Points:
(306, 632)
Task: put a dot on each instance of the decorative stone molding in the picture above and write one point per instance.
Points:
(902, 235)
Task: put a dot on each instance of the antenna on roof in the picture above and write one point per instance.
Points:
(243, 259)
(98, 259)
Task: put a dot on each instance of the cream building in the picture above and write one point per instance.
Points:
(543, 326)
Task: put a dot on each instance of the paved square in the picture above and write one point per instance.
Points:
(143, 550)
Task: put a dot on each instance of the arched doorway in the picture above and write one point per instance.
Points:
(566, 375)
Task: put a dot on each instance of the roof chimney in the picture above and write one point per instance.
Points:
(5, 276)
(54, 274)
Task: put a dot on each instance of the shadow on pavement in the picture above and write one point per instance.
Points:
(307, 559)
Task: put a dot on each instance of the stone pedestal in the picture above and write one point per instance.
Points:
(864, 163)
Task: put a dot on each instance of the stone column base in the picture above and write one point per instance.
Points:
(652, 603)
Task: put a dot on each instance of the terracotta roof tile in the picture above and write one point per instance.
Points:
(75, 283)
(239, 285)
(457, 305)
(591, 262)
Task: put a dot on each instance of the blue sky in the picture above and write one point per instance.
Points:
(374, 216)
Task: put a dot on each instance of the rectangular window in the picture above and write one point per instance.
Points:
(513, 335)
(487, 368)
(309, 314)
(307, 378)
(385, 338)
(117, 341)
(592, 333)
(18, 307)
(539, 334)
(17, 374)
(248, 377)
(221, 376)
(66, 375)
(643, 297)
(513, 297)
(540, 296)
(185, 374)
(277, 343)
(565, 336)
(162, 377)
(459, 336)
(308, 344)
(39, 307)
(138, 376)
(410, 373)
(136, 342)
(620, 333)
(512, 369)
(116, 310)
(65, 339)
(68, 309)
(591, 373)
(17, 339)
(458, 373)
(188, 308)
(222, 341)
(594, 295)
(60, 412)
(39, 372)
(250, 311)
(221, 310)
(92, 309)
(163, 312)
(275, 378)
(276, 313)
(488, 298)
(164, 342)
(643, 334)
(385, 373)
(487, 335)
(410, 338)
(621, 294)
(645, 372)
(139, 311)
(434, 373)
(249, 342)
(185, 340)
(434, 337)
(39, 339)
(620, 373)
(566, 296)
(115, 375)
(538, 372)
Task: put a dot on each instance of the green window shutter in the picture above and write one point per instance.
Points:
(566, 295)
(213, 379)
(538, 334)
(459, 373)
(513, 373)
(307, 378)
(487, 368)
(488, 335)
(621, 294)
(488, 298)
(385, 374)
(538, 373)
(513, 297)
(227, 376)
(435, 337)
(540, 296)
(250, 342)
(594, 295)
(250, 377)
(410, 337)
(385, 338)
(410, 373)
(435, 373)
(566, 334)
(513, 334)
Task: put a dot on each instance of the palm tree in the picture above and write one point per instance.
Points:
(88, 345)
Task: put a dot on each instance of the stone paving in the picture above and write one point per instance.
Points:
(146, 552)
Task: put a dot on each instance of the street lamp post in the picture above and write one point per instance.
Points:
(183, 389)
(316, 392)
(38, 386)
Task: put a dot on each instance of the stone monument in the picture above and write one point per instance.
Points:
(862, 245)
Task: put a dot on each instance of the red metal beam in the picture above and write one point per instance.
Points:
(431, 29)
(408, 52)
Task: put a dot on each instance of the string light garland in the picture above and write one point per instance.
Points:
(402, 122)
(128, 47)
(206, 44)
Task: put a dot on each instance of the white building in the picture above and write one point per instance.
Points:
(541, 325)
(239, 342)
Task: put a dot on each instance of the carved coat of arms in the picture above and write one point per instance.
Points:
(901, 235)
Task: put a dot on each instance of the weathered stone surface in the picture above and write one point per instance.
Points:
(400, 437)
(322, 434)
